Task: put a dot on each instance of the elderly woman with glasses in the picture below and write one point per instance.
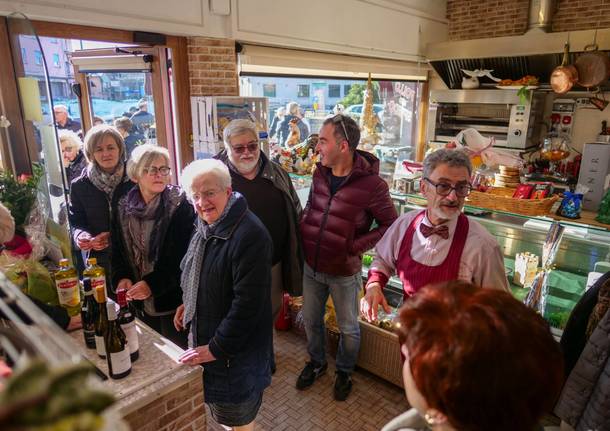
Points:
(94, 195)
(226, 283)
(436, 244)
(153, 224)
(73, 158)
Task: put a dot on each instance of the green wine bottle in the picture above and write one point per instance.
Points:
(101, 322)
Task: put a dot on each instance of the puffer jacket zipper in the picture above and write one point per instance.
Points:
(319, 240)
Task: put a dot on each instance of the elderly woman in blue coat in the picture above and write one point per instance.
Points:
(226, 284)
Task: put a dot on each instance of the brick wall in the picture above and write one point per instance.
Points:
(212, 67)
(178, 410)
(581, 15)
(475, 19)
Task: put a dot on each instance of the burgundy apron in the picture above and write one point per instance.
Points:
(415, 275)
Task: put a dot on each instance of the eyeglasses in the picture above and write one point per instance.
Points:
(252, 146)
(163, 170)
(339, 119)
(210, 194)
(444, 189)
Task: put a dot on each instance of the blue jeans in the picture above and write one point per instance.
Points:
(344, 292)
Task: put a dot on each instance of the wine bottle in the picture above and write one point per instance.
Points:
(101, 321)
(66, 282)
(96, 273)
(128, 324)
(88, 313)
(117, 349)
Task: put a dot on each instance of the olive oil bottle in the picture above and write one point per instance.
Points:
(96, 273)
(66, 282)
(117, 349)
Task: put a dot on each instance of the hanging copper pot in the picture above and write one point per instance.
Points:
(593, 67)
(564, 76)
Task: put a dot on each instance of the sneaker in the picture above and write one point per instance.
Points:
(343, 385)
(309, 374)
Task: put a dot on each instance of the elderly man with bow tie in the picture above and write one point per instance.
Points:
(436, 244)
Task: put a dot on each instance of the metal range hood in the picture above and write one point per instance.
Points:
(534, 53)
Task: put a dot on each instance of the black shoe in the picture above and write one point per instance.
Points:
(309, 374)
(343, 385)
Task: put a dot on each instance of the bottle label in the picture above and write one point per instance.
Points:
(98, 281)
(100, 348)
(132, 336)
(121, 362)
(67, 291)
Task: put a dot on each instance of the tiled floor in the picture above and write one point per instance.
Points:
(372, 403)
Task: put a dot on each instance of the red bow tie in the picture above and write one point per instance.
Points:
(442, 230)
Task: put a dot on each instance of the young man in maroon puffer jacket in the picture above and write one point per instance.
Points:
(346, 196)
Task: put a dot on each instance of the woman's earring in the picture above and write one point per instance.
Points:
(434, 417)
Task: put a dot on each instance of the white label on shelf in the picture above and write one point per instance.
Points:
(120, 361)
(100, 348)
(132, 336)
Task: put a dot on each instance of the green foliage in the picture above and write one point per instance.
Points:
(19, 194)
(356, 95)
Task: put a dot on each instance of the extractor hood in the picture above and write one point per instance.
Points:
(533, 53)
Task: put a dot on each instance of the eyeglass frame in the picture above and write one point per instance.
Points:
(339, 119)
(156, 171)
(451, 188)
(208, 195)
(251, 146)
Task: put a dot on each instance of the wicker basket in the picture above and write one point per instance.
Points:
(380, 353)
(501, 199)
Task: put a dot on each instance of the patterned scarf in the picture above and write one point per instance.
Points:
(193, 259)
(104, 181)
(140, 222)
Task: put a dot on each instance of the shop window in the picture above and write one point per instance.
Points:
(334, 90)
(53, 40)
(395, 103)
(38, 58)
(56, 60)
(269, 90)
(303, 91)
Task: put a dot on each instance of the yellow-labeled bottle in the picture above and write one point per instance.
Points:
(66, 281)
(96, 273)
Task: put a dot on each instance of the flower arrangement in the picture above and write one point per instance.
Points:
(19, 194)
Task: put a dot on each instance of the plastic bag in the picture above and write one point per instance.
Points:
(31, 277)
(478, 146)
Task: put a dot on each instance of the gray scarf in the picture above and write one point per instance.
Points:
(193, 260)
(104, 181)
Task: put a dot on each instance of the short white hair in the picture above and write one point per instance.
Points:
(237, 128)
(292, 108)
(142, 157)
(67, 135)
(62, 108)
(198, 168)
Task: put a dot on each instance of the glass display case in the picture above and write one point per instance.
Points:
(581, 248)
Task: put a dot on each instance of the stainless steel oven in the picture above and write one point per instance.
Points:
(499, 113)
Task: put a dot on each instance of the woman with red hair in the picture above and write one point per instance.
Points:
(476, 359)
